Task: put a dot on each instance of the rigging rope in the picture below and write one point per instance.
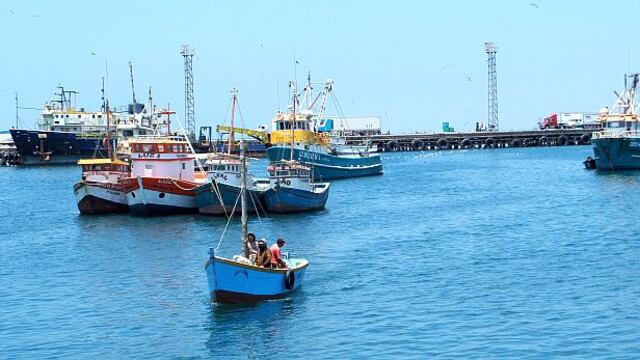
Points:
(227, 225)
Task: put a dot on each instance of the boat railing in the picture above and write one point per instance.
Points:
(160, 138)
(614, 134)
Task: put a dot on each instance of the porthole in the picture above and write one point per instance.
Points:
(133, 195)
(161, 195)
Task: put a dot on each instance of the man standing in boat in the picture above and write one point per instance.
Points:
(276, 254)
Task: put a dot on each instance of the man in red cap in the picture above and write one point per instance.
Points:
(276, 254)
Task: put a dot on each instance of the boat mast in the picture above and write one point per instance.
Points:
(243, 199)
(233, 113)
(293, 120)
(133, 90)
(109, 151)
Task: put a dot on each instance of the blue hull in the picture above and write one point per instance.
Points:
(617, 153)
(327, 167)
(234, 282)
(286, 200)
(55, 147)
(209, 203)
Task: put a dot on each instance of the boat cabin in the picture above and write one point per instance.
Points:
(162, 157)
(303, 129)
(104, 170)
(289, 174)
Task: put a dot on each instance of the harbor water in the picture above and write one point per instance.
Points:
(482, 253)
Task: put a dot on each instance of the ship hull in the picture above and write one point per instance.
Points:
(282, 199)
(208, 201)
(96, 198)
(150, 196)
(234, 282)
(326, 166)
(613, 154)
(55, 147)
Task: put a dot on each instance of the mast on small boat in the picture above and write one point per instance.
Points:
(243, 199)
(234, 99)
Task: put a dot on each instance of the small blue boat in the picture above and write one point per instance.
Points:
(233, 281)
(238, 280)
(292, 189)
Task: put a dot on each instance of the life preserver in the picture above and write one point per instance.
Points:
(288, 182)
(280, 116)
(289, 279)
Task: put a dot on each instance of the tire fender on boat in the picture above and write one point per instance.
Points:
(289, 279)
(443, 144)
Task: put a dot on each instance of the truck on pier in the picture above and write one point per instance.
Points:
(570, 121)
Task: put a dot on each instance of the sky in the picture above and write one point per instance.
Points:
(413, 63)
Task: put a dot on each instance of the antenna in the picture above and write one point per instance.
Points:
(133, 90)
(103, 99)
(17, 110)
(492, 121)
(190, 119)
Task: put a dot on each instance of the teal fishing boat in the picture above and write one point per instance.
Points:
(617, 145)
(316, 149)
(238, 279)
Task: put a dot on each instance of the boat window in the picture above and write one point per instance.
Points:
(99, 116)
(79, 116)
(175, 148)
(288, 125)
(272, 173)
(56, 116)
(160, 148)
(615, 124)
(147, 148)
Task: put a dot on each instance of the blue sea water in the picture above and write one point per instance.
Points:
(505, 253)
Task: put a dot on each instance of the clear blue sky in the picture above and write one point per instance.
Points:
(413, 63)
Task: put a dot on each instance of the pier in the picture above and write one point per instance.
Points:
(474, 140)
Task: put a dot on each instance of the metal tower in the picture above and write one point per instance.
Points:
(190, 120)
(492, 121)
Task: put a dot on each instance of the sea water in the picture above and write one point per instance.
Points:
(483, 253)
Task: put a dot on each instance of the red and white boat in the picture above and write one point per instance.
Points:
(100, 190)
(163, 176)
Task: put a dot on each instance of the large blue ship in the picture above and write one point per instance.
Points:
(617, 145)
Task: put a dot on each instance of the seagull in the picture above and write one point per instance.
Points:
(469, 78)
(11, 11)
(534, 5)
(92, 53)
(446, 67)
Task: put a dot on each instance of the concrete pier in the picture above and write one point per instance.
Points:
(476, 140)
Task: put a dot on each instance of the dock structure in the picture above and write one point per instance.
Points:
(475, 140)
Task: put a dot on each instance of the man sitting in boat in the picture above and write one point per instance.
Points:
(263, 259)
(276, 254)
(252, 247)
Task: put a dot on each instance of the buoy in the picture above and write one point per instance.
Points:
(443, 144)
(289, 279)
(585, 139)
(562, 140)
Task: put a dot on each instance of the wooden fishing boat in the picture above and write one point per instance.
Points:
(237, 280)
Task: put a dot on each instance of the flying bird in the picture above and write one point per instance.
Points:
(534, 5)
(92, 53)
(469, 78)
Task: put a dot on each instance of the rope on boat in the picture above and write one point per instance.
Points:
(227, 225)
(180, 187)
